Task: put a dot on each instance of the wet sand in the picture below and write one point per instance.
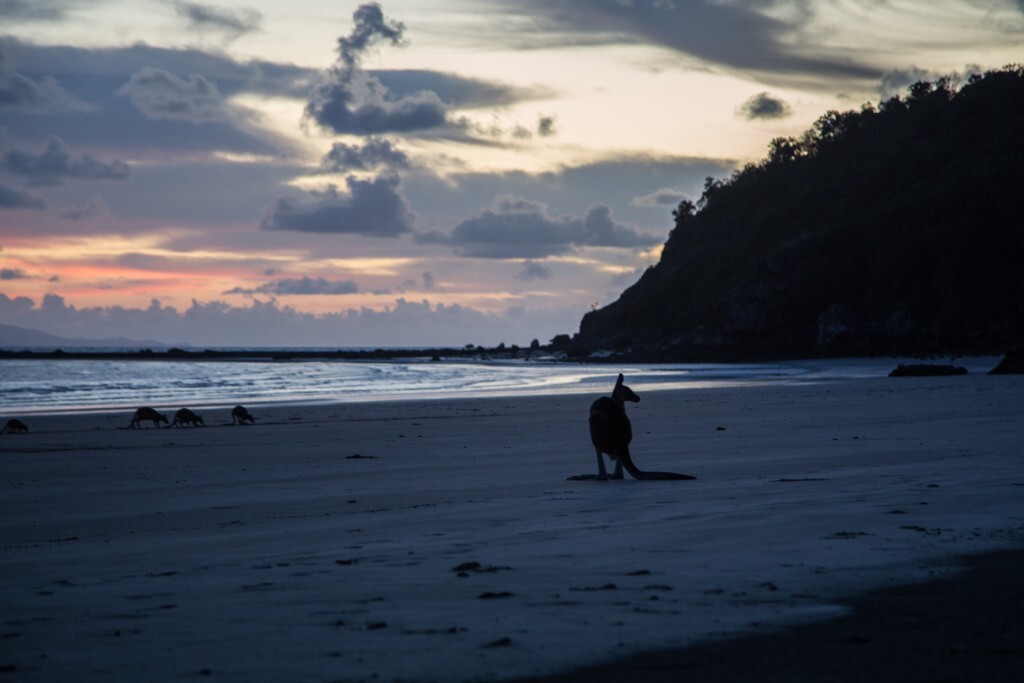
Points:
(965, 627)
(441, 540)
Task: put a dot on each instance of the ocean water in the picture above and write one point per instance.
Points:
(61, 386)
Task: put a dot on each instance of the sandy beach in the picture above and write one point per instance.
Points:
(441, 540)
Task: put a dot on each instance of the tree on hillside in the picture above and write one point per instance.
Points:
(892, 229)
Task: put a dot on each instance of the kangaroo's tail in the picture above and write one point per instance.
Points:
(637, 473)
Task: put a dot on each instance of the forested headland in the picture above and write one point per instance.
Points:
(896, 229)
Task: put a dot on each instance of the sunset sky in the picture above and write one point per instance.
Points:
(327, 173)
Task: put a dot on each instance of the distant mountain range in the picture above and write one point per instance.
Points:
(896, 230)
(19, 338)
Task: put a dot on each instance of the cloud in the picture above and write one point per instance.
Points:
(353, 101)
(458, 91)
(338, 108)
(370, 27)
(154, 114)
(13, 274)
(534, 271)
(270, 324)
(546, 126)
(374, 153)
(374, 208)
(521, 228)
(160, 94)
(12, 198)
(93, 208)
(35, 10)
(304, 286)
(233, 23)
(22, 93)
(767, 37)
(56, 163)
(896, 81)
(764, 106)
(659, 198)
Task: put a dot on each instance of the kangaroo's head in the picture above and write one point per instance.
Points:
(622, 393)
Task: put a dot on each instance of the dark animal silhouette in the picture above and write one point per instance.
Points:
(240, 415)
(185, 417)
(14, 427)
(146, 414)
(611, 433)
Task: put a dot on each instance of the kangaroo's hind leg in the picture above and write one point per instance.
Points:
(617, 474)
(602, 473)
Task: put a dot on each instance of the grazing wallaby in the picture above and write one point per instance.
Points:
(14, 427)
(186, 417)
(611, 432)
(147, 414)
(240, 415)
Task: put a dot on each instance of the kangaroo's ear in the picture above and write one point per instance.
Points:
(620, 380)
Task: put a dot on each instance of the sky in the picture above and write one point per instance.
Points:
(405, 173)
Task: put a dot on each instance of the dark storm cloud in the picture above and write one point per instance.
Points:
(521, 228)
(353, 101)
(233, 23)
(304, 286)
(374, 153)
(764, 106)
(755, 36)
(20, 92)
(56, 163)
(160, 94)
(374, 208)
(13, 198)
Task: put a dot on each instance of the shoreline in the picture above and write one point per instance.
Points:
(441, 540)
(964, 627)
(222, 384)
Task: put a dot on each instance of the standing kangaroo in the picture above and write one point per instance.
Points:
(611, 432)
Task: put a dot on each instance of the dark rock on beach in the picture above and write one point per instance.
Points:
(1012, 364)
(927, 370)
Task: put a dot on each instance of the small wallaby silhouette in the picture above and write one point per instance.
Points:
(611, 433)
(14, 426)
(240, 415)
(146, 414)
(186, 417)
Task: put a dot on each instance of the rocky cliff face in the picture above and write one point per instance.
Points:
(897, 230)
